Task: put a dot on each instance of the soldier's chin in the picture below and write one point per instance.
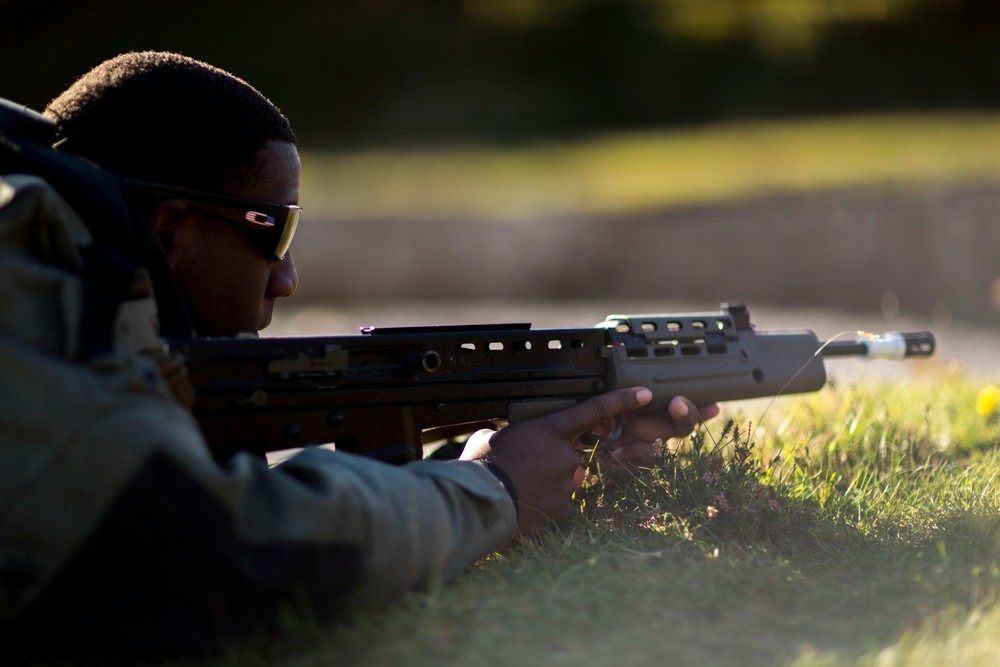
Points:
(265, 322)
(260, 327)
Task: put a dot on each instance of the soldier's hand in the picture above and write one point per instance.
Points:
(539, 456)
(634, 446)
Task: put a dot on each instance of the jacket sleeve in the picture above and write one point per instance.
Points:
(145, 533)
(116, 522)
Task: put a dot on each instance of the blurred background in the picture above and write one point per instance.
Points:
(830, 155)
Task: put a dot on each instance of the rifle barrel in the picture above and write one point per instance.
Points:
(893, 345)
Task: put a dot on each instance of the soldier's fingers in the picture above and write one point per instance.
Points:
(686, 415)
(592, 412)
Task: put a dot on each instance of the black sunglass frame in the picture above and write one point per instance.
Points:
(277, 221)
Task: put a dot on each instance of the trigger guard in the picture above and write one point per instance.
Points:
(616, 434)
(591, 439)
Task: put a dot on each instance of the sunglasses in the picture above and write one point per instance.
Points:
(272, 225)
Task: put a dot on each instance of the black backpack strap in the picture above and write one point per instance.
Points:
(106, 207)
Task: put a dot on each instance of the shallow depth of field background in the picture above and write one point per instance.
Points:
(825, 161)
(835, 164)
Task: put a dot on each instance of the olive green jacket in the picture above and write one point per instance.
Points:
(116, 522)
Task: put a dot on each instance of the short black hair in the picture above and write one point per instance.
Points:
(168, 118)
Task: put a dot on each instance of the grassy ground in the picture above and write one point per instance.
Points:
(647, 170)
(855, 526)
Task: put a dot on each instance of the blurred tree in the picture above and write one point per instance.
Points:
(364, 71)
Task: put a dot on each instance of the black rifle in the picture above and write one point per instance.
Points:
(378, 393)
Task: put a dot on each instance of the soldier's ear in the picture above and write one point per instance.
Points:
(166, 219)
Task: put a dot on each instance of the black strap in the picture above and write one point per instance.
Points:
(507, 482)
(108, 210)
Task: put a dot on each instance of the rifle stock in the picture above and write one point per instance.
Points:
(378, 393)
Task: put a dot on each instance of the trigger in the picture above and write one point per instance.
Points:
(591, 439)
(616, 434)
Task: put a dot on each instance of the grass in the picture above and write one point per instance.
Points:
(646, 170)
(855, 526)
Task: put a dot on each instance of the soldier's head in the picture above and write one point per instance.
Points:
(168, 118)
(195, 141)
